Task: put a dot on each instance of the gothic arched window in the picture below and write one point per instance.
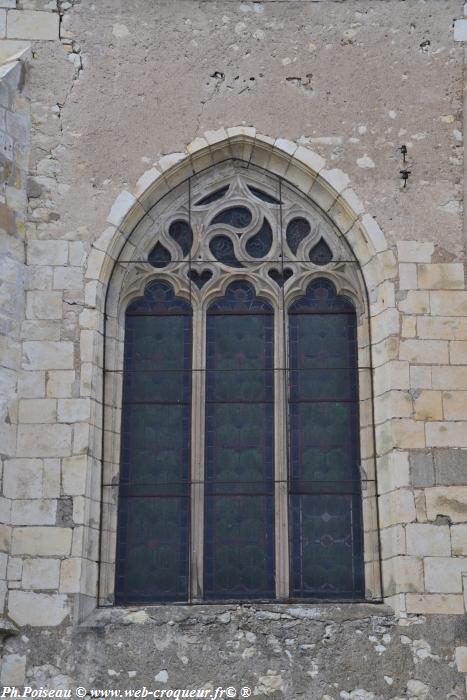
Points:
(241, 475)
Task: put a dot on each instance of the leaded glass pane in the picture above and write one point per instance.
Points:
(325, 498)
(152, 543)
(239, 527)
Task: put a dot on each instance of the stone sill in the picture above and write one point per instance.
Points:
(223, 613)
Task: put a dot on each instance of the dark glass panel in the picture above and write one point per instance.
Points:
(260, 244)
(213, 197)
(297, 230)
(158, 299)
(238, 217)
(152, 538)
(327, 554)
(223, 250)
(280, 277)
(159, 256)
(321, 253)
(263, 195)
(152, 562)
(182, 234)
(239, 526)
(324, 445)
(199, 278)
(240, 298)
(239, 542)
(321, 295)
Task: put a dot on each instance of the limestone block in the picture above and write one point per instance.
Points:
(403, 574)
(18, 125)
(450, 466)
(33, 512)
(392, 541)
(455, 405)
(415, 251)
(449, 377)
(444, 574)
(397, 507)
(47, 355)
(450, 501)
(408, 276)
(384, 324)
(27, 24)
(13, 671)
(434, 604)
(409, 327)
(461, 659)
(41, 541)
(5, 537)
(74, 475)
(5, 509)
(420, 377)
(47, 440)
(460, 30)
(3, 564)
(444, 434)
(47, 252)
(31, 384)
(393, 471)
(424, 539)
(392, 375)
(77, 254)
(428, 405)
(60, 383)
(15, 568)
(458, 352)
(37, 411)
(73, 410)
(23, 478)
(400, 433)
(37, 609)
(8, 4)
(393, 404)
(422, 471)
(424, 351)
(310, 158)
(442, 327)
(70, 575)
(41, 574)
(415, 302)
(40, 330)
(69, 278)
(441, 276)
(459, 540)
(51, 480)
(448, 303)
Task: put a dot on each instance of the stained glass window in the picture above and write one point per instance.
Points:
(324, 484)
(239, 500)
(240, 453)
(154, 493)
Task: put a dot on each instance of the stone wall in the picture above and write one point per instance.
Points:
(125, 99)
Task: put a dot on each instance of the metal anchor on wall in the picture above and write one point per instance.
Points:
(404, 173)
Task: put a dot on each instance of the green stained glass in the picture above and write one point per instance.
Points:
(155, 565)
(239, 525)
(152, 542)
(241, 548)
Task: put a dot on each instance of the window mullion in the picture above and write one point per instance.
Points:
(281, 471)
(197, 453)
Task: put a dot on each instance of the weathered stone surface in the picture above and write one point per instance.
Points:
(37, 609)
(13, 672)
(45, 440)
(41, 574)
(450, 466)
(41, 541)
(428, 540)
(450, 501)
(421, 468)
(47, 355)
(32, 25)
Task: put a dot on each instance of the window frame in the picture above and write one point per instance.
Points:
(129, 280)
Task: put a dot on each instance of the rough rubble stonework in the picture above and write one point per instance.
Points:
(104, 107)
